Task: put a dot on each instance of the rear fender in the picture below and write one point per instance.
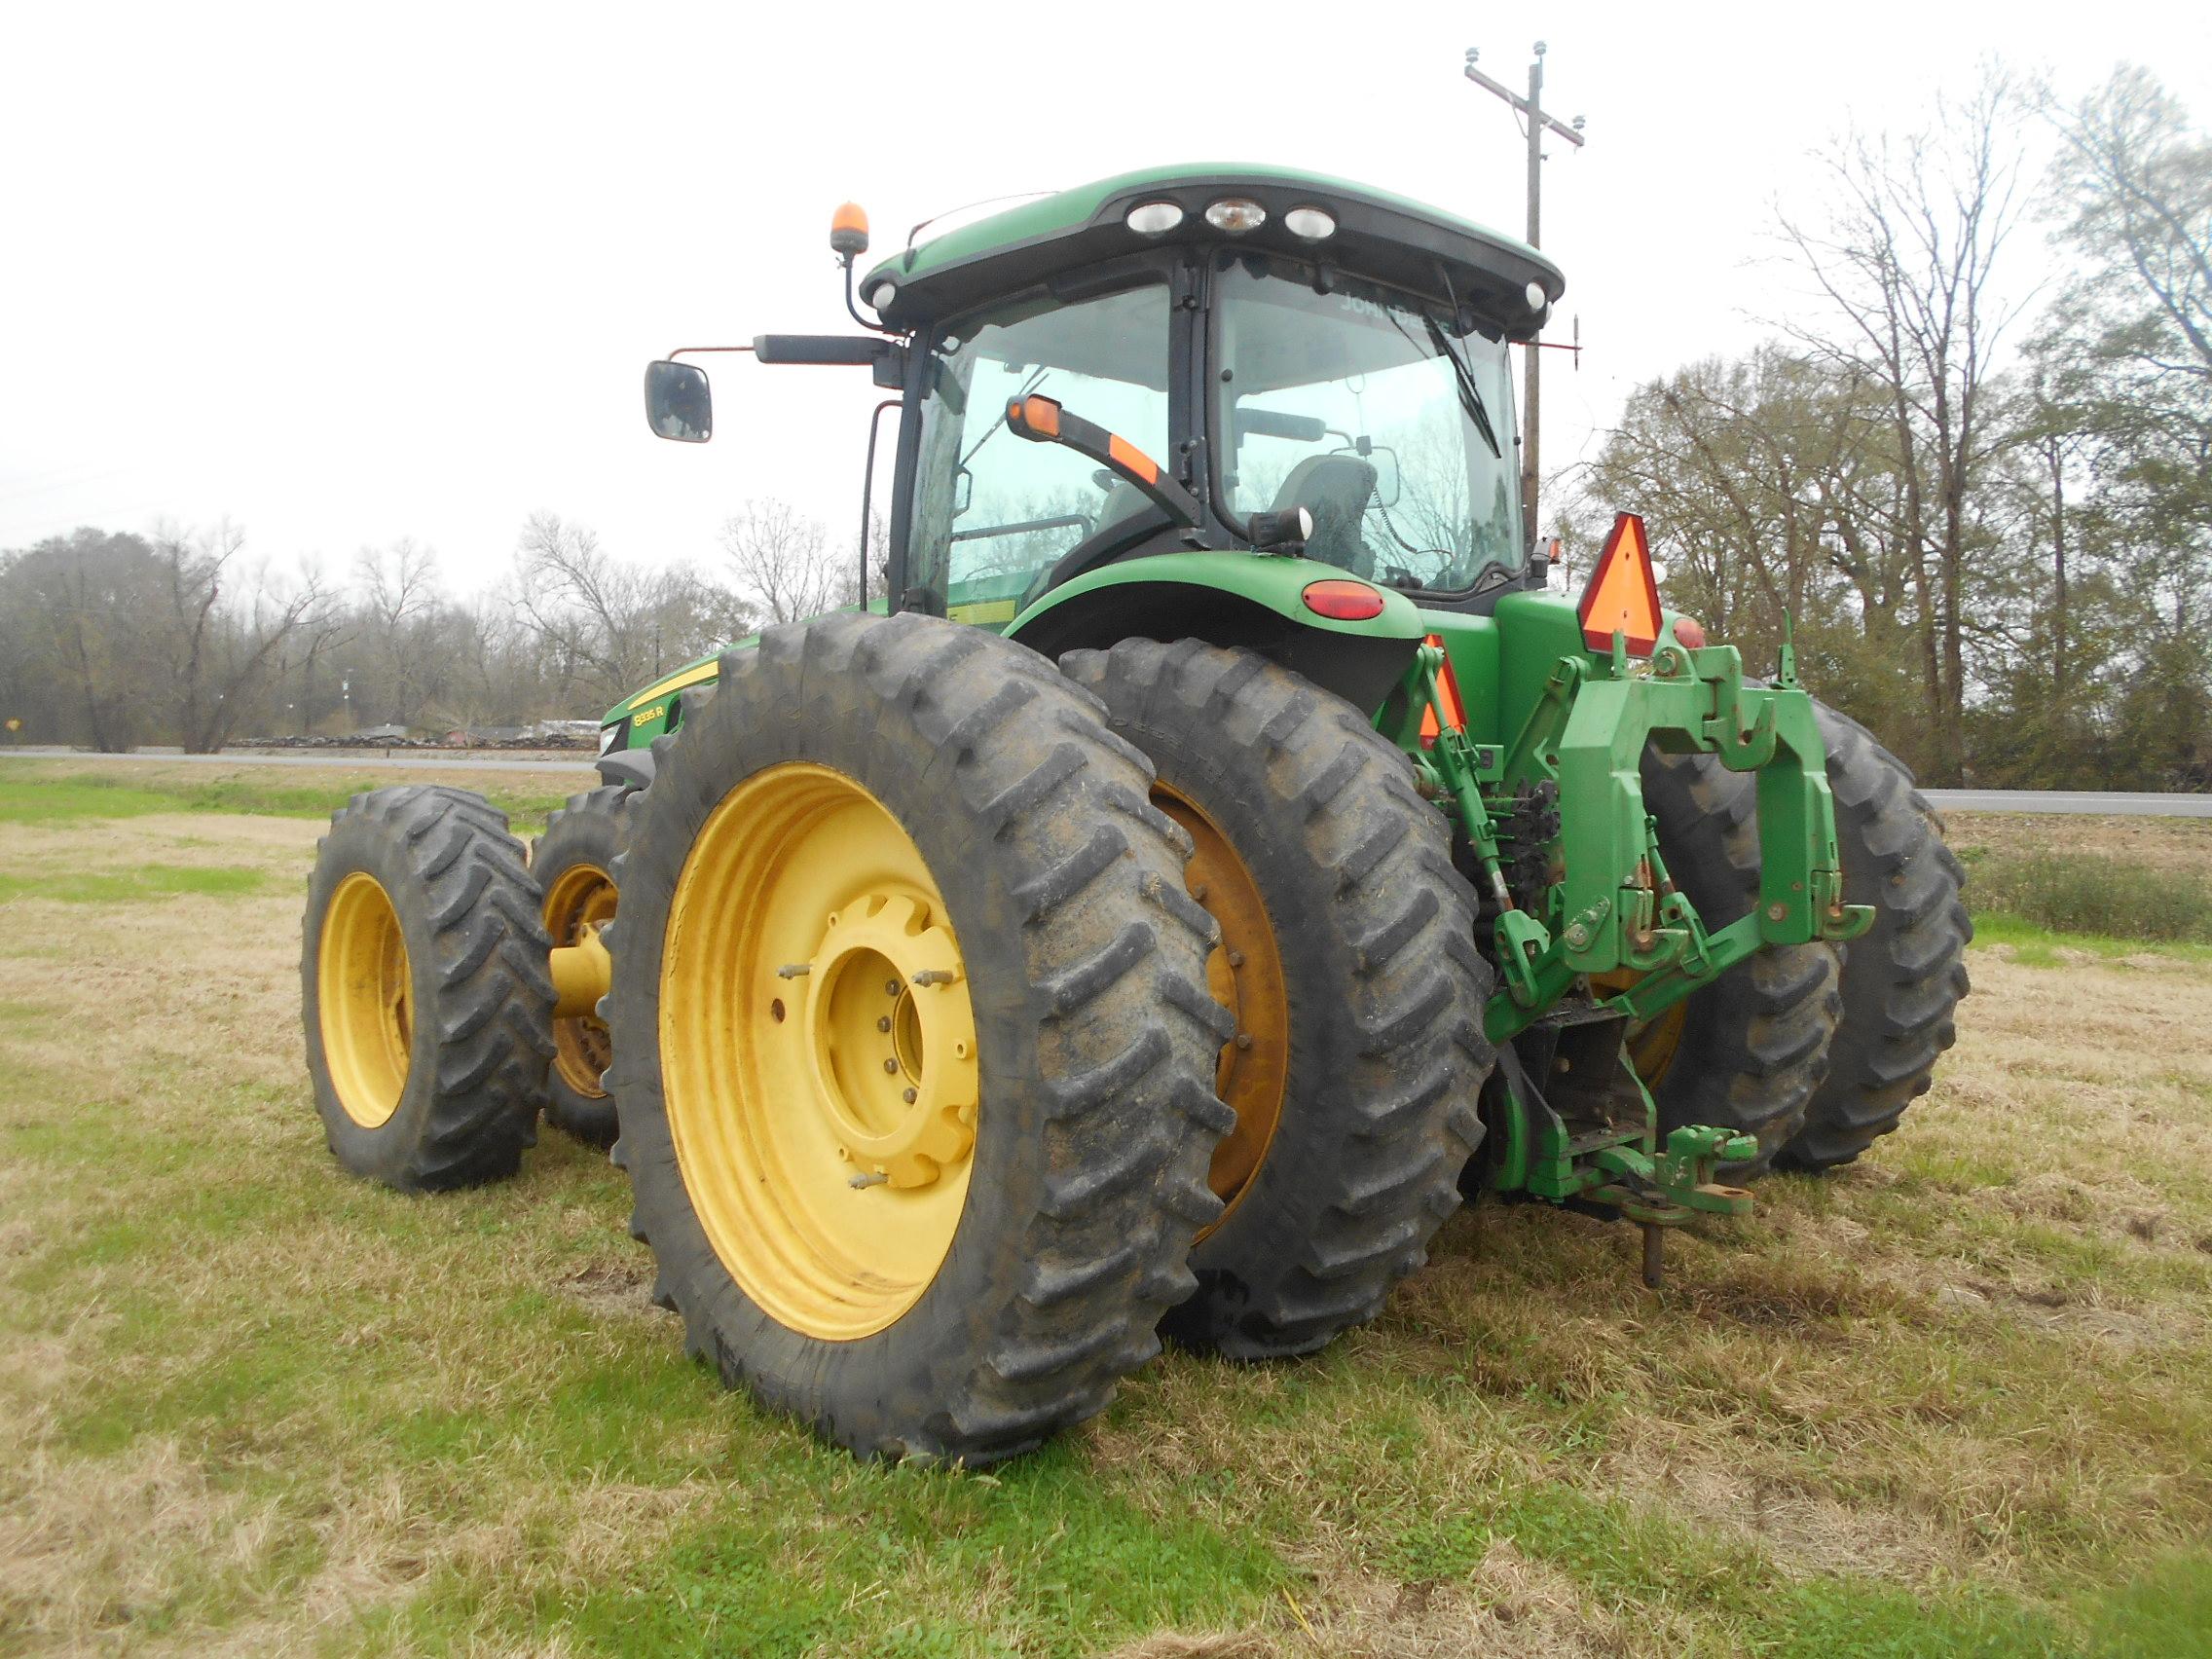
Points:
(1249, 599)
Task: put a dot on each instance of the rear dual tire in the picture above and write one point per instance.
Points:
(1904, 976)
(853, 772)
(1348, 956)
(1817, 1050)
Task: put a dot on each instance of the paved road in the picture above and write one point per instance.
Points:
(2116, 804)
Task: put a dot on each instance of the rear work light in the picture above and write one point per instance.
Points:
(1342, 600)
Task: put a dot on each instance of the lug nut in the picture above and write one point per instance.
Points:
(907, 1095)
(1244, 1039)
(891, 1066)
(1236, 959)
(883, 1024)
(891, 988)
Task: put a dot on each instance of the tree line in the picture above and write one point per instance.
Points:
(1974, 468)
(110, 641)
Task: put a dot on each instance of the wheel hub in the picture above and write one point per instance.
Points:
(579, 903)
(811, 978)
(892, 1050)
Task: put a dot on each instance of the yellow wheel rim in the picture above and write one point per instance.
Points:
(582, 898)
(817, 1052)
(1652, 1044)
(366, 1001)
(1245, 974)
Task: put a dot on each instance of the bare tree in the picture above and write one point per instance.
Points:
(780, 561)
(1907, 255)
(220, 651)
(400, 600)
(610, 625)
(85, 605)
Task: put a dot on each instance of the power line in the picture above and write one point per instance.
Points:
(1539, 122)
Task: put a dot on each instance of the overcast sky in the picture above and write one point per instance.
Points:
(347, 273)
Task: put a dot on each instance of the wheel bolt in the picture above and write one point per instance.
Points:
(1244, 1039)
(883, 1024)
(907, 1095)
(891, 988)
(891, 1066)
(1236, 959)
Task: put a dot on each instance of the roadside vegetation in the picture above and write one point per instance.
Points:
(1950, 1400)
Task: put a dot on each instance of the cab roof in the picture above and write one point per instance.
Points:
(1381, 237)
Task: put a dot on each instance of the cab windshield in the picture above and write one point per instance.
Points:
(1377, 415)
(993, 512)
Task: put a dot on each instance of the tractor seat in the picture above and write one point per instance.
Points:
(1336, 490)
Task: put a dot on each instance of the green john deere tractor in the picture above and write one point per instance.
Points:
(1216, 852)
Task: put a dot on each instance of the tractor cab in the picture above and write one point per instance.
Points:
(1191, 360)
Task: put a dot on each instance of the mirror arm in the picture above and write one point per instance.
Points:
(681, 349)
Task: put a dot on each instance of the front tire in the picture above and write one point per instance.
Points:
(424, 987)
(913, 1044)
(1348, 957)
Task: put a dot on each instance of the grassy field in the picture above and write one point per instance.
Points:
(1952, 1400)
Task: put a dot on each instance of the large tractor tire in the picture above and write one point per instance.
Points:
(574, 863)
(1747, 1052)
(425, 986)
(1902, 979)
(913, 1043)
(1347, 956)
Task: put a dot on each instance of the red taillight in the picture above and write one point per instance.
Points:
(1343, 602)
(1690, 632)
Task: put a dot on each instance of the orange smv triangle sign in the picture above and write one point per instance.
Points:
(1623, 595)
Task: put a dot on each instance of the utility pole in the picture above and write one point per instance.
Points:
(1531, 108)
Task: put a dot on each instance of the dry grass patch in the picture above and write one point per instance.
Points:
(2153, 845)
(246, 1404)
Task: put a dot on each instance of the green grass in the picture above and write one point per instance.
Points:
(146, 882)
(1950, 1402)
(2039, 947)
(31, 794)
(2094, 895)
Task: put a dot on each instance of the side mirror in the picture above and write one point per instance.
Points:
(678, 403)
